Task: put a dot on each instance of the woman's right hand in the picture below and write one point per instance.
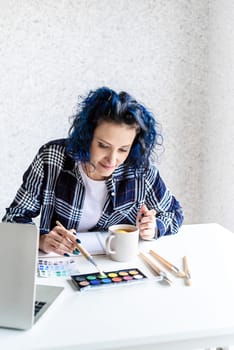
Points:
(58, 240)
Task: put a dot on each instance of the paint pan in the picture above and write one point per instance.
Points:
(111, 278)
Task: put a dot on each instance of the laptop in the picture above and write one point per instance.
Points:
(22, 302)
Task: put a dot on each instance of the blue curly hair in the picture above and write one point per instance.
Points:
(106, 105)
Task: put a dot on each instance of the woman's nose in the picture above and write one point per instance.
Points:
(111, 157)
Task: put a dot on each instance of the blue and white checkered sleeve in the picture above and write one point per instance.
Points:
(169, 216)
(27, 201)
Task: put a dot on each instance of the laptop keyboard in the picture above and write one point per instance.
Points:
(38, 306)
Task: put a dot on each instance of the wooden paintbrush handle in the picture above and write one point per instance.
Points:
(83, 250)
(188, 280)
(161, 259)
(150, 263)
(79, 246)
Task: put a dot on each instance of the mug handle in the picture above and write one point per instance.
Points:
(108, 243)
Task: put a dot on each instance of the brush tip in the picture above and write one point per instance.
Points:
(102, 274)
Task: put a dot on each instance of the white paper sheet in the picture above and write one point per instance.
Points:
(93, 242)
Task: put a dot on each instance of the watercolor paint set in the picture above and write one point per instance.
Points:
(85, 282)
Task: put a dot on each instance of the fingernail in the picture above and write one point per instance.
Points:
(78, 241)
(66, 254)
(76, 252)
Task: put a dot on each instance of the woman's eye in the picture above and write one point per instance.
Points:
(102, 145)
(123, 150)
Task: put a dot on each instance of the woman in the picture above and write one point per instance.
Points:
(102, 174)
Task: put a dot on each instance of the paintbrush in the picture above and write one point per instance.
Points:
(168, 265)
(85, 253)
(188, 279)
(155, 268)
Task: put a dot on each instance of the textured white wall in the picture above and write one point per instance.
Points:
(53, 51)
(218, 160)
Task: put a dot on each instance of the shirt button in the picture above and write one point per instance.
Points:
(112, 193)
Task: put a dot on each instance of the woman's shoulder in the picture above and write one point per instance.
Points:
(54, 153)
(56, 145)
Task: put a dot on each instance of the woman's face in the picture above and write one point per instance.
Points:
(110, 147)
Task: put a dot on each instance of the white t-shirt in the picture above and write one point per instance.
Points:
(95, 197)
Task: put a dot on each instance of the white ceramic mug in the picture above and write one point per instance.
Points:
(122, 242)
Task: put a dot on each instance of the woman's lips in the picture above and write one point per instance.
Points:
(107, 167)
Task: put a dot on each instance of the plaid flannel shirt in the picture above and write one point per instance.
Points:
(53, 188)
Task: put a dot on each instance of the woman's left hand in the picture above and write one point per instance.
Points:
(146, 222)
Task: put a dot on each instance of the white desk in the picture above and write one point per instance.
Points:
(150, 315)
